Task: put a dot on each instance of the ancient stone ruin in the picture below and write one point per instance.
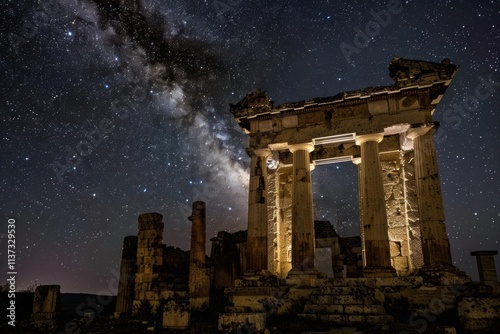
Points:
(287, 268)
(44, 314)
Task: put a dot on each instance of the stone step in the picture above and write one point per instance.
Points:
(343, 299)
(347, 320)
(345, 309)
(236, 309)
(249, 291)
(343, 290)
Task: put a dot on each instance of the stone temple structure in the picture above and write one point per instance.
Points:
(388, 133)
(398, 270)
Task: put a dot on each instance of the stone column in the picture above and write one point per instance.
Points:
(128, 269)
(435, 244)
(44, 307)
(375, 231)
(303, 242)
(149, 259)
(357, 162)
(257, 212)
(199, 279)
(285, 220)
(487, 269)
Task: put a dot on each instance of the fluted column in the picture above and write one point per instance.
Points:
(257, 212)
(303, 242)
(357, 162)
(375, 229)
(128, 269)
(199, 279)
(198, 219)
(435, 243)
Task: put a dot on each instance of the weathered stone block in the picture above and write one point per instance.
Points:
(479, 308)
(395, 248)
(176, 314)
(373, 309)
(479, 314)
(45, 299)
(327, 309)
(400, 263)
(398, 233)
(379, 319)
(152, 295)
(354, 309)
(242, 323)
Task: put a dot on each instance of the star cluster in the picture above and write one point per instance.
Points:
(112, 108)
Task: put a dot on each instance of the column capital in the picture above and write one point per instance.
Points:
(263, 152)
(304, 146)
(378, 137)
(260, 152)
(356, 160)
(413, 133)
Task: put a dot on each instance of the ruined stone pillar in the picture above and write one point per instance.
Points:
(487, 269)
(357, 162)
(199, 279)
(126, 285)
(257, 212)
(375, 230)
(45, 306)
(303, 242)
(149, 259)
(435, 243)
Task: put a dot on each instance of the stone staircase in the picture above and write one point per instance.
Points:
(346, 303)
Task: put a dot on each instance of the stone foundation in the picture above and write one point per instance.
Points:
(480, 315)
(177, 311)
(237, 323)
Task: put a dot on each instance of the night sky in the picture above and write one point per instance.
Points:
(114, 108)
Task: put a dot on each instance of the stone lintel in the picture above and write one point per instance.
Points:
(317, 125)
(342, 150)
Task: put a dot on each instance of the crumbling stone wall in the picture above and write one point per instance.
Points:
(149, 260)
(285, 221)
(412, 214)
(394, 190)
(273, 222)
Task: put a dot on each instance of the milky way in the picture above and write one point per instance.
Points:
(114, 108)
